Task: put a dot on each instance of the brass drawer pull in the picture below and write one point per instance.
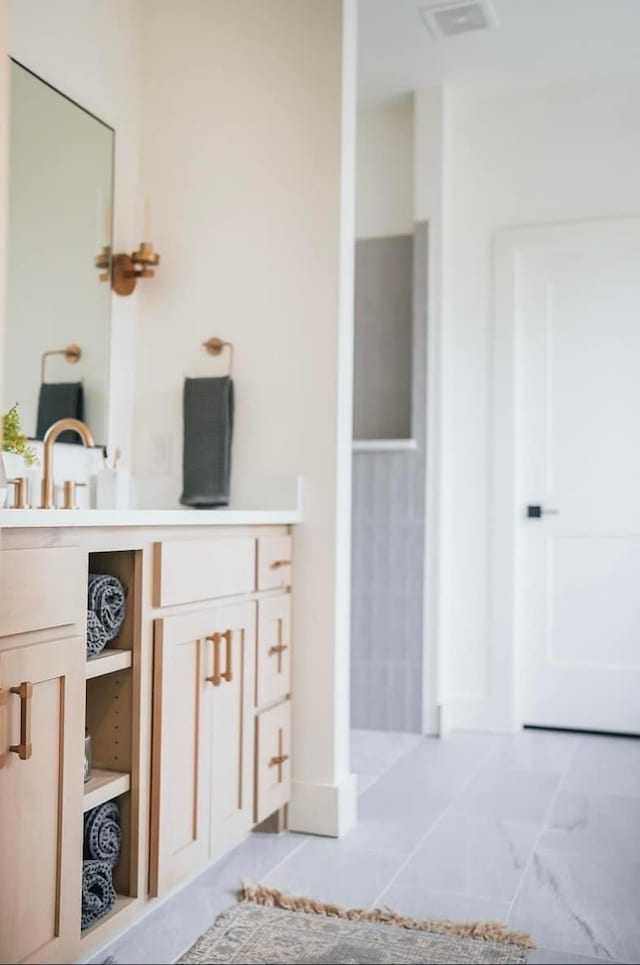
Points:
(228, 674)
(278, 760)
(280, 648)
(24, 748)
(216, 678)
(278, 564)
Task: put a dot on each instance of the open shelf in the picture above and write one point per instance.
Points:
(104, 786)
(108, 662)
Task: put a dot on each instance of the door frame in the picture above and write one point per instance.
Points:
(505, 540)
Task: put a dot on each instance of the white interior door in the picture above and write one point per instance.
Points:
(576, 295)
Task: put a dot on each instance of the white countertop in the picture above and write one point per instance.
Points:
(45, 518)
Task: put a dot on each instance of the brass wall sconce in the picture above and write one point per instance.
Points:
(123, 270)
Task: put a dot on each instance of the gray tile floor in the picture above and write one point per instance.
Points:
(540, 830)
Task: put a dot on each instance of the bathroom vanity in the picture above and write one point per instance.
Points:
(188, 709)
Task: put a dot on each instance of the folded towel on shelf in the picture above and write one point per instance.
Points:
(107, 599)
(98, 893)
(208, 432)
(103, 834)
(96, 635)
(60, 400)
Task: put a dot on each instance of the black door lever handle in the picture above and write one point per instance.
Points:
(537, 512)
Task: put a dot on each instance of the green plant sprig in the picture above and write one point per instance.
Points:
(14, 439)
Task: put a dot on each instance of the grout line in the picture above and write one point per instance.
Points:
(474, 772)
(543, 828)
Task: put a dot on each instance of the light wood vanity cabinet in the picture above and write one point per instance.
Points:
(189, 713)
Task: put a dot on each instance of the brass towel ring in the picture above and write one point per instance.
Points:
(72, 354)
(215, 346)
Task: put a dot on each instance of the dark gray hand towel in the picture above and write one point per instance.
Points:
(208, 434)
(60, 400)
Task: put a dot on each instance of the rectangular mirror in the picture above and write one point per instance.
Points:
(60, 214)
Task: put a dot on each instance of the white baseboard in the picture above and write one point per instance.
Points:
(475, 713)
(326, 809)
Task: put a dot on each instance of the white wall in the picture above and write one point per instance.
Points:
(384, 169)
(89, 51)
(245, 141)
(543, 157)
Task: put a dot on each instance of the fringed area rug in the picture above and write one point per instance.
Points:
(269, 927)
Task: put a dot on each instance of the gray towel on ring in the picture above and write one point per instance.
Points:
(208, 406)
(96, 635)
(107, 599)
(98, 893)
(60, 400)
(102, 833)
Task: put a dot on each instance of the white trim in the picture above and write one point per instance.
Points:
(384, 445)
(326, 809)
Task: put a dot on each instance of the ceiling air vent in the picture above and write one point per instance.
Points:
(448, 19)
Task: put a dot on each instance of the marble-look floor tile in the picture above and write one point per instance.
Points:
(326, 870)
(544, 956)
(437, 905)
(606, 765)
(374, 752)
(581, 903)
(476, 856)
(534, 750)
(393, 816)
(597, 823)
(519, 795)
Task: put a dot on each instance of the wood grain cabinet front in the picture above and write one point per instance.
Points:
(41, 796)
(273, 646)
(273, 760)
(202, 794)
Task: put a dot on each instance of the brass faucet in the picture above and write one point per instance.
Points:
(52, 433)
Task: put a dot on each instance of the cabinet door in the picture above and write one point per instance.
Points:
(181, 725)
(41, 795)
(232, 745)
(202, 797)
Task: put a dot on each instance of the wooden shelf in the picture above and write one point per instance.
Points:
(122, 902)
(104, 786)
(108, 662)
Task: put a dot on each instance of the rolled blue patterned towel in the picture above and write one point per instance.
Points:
(107, 599)
(96, 635)
(98, 893)
(103, 834)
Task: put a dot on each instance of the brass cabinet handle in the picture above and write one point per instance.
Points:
(216, 678)
(228, 674)
(278, 759)
(280, 648)
(25, 693)
(278, 564)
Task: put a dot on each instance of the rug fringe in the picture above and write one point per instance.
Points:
(488, 931)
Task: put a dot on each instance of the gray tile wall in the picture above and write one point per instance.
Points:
(388, 550)
(382, 350)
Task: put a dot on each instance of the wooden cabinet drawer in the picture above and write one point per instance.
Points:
(273, 764)
(191, 570)
(42, 589)
(274, 562)
(273, 678)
